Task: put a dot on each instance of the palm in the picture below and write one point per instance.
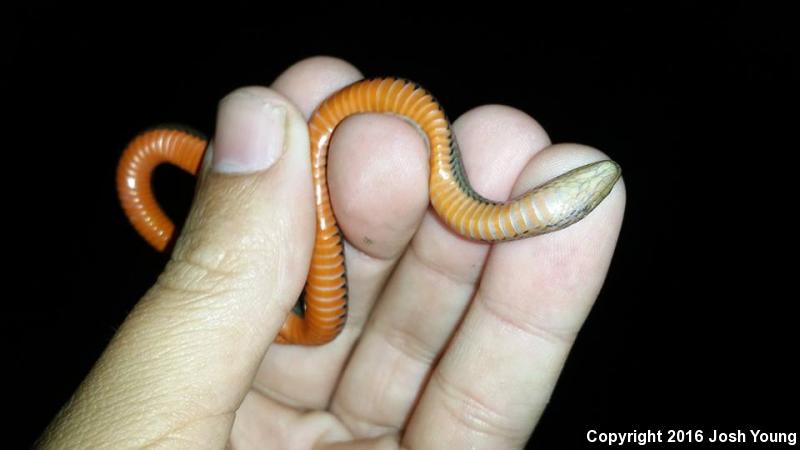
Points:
(447, 339)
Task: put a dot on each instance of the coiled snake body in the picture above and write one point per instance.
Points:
(551, 206)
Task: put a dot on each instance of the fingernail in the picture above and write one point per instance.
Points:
(250, 134)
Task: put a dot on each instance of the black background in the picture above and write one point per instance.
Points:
(694, 328)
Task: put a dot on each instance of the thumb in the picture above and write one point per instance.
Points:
(249, 235)
(182, 362)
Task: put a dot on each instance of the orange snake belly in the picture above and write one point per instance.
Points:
(322, 313)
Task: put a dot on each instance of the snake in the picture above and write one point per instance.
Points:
(321, 312)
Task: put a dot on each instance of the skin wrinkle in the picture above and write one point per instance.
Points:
(200, 273)
(214, 308)
(352, 419)
(471, 411)
(169, 436)
(517, 321)
(406, 342)
(190, 275)
(174, 353)
(323, 391)
(201, 266)
(422, 358)
(274, 395)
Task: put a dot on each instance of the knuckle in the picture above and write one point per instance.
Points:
(520, 319)
(204, 266)
(408, 343)
(470, 409)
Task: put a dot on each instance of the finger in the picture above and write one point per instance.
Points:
(378, 183)
(499, 371)
(428, 292)
(310, 81)
(185, 357)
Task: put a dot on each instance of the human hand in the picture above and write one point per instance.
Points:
(449, 343)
